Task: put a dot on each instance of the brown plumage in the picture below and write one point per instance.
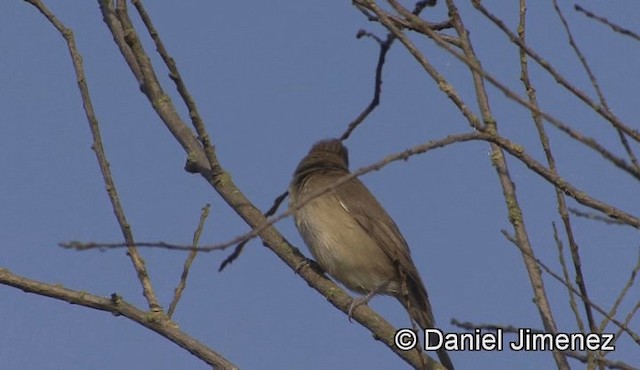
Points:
(353, 238)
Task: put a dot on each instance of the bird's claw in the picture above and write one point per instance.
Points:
(357, 302)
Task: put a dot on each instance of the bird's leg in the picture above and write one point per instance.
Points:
(365, 298)
(310, 263)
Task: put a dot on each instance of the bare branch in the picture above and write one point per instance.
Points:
(385, 46)
(635, 134)
(187, 264)
(614, 27)
(98, 148)
(404, 155)
(595, 217)
(155, 321)
(623, 326)
(595, 84)
(567, 279)
(512, 329)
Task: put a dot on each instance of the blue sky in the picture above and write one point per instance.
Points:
(270, 79)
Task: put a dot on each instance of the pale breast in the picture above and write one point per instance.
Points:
(342, 247)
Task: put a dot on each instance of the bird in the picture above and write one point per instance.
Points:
(353, 238)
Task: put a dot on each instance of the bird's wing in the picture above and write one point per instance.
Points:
(368, 212)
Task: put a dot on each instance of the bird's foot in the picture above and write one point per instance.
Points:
(358, 302)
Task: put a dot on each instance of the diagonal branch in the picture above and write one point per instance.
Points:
(98, 148)
(187, 263)
(206, 163)
(616, 28)
(155, 321)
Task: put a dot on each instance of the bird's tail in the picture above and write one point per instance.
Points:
(419, 309)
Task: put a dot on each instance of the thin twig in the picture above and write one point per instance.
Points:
(187, 263)
(174, 73)
(616, 28)
(98, 148)
(608, 116)
(588, 141)
(442, 83)
(596, 86)
(557, 277)
(567, 279)
(628, 319)
(404, 155)
(512, 148)
(560, 199)
(595, 217)
(474, 121)
(129, 44)
(385, 46)
(240, 247)
(623, 294)
(515, 214)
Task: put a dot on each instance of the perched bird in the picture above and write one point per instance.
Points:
(353, 238)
